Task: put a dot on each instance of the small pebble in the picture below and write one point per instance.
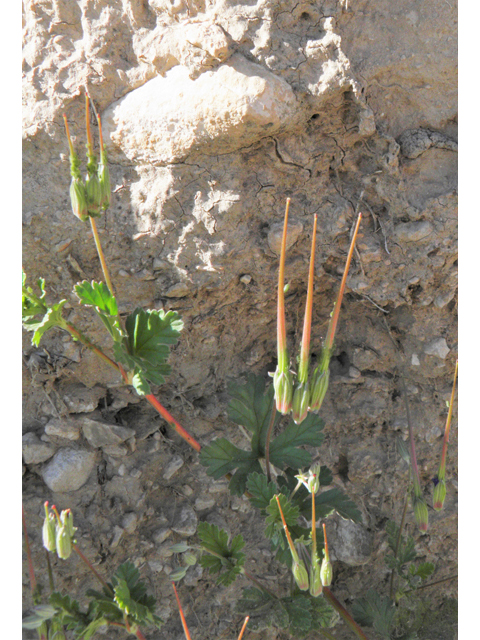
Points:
(437, 347)
(173, 466)
(68, 470)
(179, 290)
(35, 451)
(204, 503)
(117, 535)
(185, 523)
(63, 428)
(275, 234)
(160, 535)
(246, 279)
(130, 521)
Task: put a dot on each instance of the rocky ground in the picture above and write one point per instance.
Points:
(214, 113)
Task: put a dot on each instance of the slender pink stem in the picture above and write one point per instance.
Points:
(70, 144)
(87, 122)
(182, 617)
(91, 567)
(344, 614)
(293, 551)
(441, 471)
(327, 557)
(243, 628)
(173, 423)
(281, 331)
(336, 312)
(307, 323)
(31, 570)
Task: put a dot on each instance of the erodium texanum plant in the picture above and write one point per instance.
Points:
(277, 474)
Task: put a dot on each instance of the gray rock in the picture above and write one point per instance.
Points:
(437, 347)
(275, 234)
(413, 231)
(128, 489)
(63, 428)
(69, 469)
(35, 451)
(102, 434)
(185, 522)
(130, 521)
(160, 535)
(204, 503)
(173, 466)
(178, 290)
(352, 543)
(81, 399)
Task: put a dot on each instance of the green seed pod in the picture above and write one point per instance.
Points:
(78, 198)
(315, 579)
(63, 543)
(190, 558)
(283, 385)
(49, 530)
(94, 195)
(300, 402)
(421, 512)
(326, 572)
(300, 574)
(439, 494)
(104, 180)
(319, 388)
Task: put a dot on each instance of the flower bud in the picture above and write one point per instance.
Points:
(326, 572)
(78, 199)
(300, 402)
(313, 482)
(439, 493)
(300, 574)
(421, 512)
(63, 542)
(283, 385)
(66, 518)
(319, 388)
(315, 579)
(49, 530)
(94, 195)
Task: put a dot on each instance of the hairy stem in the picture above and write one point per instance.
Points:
(336, 311)
(182, 617)
(101, 255)
(397, 546)
(307, 323)
(92, 568)
(281, 331)
(344, 614)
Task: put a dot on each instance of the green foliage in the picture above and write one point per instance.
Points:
(406, 548)
(375, 611)
(97, 295)
(251, 406)
(146, 347)
(34, 305)
(299, 613)
(274, 519)
(224, 558)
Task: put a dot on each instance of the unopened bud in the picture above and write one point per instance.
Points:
(421, 512)
(439, 494)
(319, 388)
(300, 574)
(78, 198)
(66, 518)
(314, 478)
(63, 542)
(283, 386)
(326, 572)
(315, 579)
(300, 402)
(49, 530)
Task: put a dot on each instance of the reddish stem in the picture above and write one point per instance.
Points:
(172, 422)
(31, 571)
(70, 144)
(336, 311)
(441, 472)
(307, 323)
(344, 614)
(182, 617)
(281, 331)
(243, 628)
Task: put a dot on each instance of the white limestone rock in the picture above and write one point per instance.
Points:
(222, 110)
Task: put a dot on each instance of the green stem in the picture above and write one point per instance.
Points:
(78, 335)
(101, 255)
(50, 572)
(344, 614)
(336, 311)
(267, 441)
